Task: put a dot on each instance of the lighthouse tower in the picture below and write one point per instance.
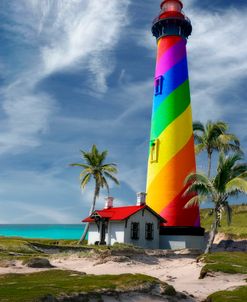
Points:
(171, 152)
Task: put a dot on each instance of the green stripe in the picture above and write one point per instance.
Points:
(174, 105)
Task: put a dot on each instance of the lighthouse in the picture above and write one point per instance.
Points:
(171, 151)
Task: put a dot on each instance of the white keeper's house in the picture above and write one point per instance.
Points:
(138, 225)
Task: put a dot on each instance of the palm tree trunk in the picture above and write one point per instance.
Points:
(90, 213)
(209, 163)
(212, 235)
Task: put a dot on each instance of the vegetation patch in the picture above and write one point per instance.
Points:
(226, 262)
(15, 245)
(238, 227)
(237, 295)
(32, 287)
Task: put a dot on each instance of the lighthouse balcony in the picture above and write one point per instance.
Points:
(172, 26)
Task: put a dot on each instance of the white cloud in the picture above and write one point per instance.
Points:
(57, 35)
(26, 116)
(217, 60)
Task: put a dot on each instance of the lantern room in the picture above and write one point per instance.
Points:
(171, 8)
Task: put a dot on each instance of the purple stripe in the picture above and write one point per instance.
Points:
(171, 57)
(197, 223)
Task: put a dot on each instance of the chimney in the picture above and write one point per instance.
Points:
(141, 198)
(108, 202)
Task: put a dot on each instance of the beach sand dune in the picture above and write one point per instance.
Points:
(180, 271)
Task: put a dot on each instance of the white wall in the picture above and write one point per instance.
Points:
(143, 217)
(116, 230)
(93, 233)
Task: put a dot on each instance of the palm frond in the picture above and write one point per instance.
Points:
(80, 165)
(239, 170)
(236, 184)
(229, 137)
(197, 177)
(227, 170)
(110, 168)
(199, 148)
(198, 126)
(213, 130)
(198, 188)
(110, 176)
(195, 200)
(85, 180)
(105, 185)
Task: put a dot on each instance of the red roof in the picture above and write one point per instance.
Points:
(120, 213)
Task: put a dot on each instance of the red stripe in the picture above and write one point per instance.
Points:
(166, 43)
(176, 214)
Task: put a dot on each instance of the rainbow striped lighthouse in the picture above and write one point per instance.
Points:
(171, 153)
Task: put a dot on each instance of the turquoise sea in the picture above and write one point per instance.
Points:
(44, 231)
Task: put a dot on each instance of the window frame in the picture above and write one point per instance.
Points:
(158, 85)
(154, 150)
(135, 230)
(149, 231)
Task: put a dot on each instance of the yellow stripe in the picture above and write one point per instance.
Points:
(171, 140)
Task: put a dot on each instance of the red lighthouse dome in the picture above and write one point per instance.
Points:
(171, 8)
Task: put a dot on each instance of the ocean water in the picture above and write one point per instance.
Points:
(44, 231)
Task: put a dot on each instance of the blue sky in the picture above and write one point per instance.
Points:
(78, 72)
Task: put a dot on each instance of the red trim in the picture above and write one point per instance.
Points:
(171, 15)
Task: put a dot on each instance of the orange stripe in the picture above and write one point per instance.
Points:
(164, 44)
(170, 180)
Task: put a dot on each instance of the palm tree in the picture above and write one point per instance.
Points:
(230, 180)
(94, 167)
(214, 137)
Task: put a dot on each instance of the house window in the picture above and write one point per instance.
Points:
(158, 85)
(135, 230)
(149, 231)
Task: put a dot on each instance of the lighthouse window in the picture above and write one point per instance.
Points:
(154, 149)
(158, 85)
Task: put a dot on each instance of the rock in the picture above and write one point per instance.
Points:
(163, 289)
(119, 259)
(225, 244)
(191, 252)
(203, 273)
(38, 263)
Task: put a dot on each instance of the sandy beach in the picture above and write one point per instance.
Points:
(181, 271)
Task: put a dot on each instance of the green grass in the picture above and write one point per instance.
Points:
(237, 295)
(238, 228)
(32, 287)
(226, 262)
(15, 245)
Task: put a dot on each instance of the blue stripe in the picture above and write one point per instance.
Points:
(173, 78)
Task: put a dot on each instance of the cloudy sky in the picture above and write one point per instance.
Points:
(78, 72)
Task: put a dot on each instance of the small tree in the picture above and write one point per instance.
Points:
(214, 137)
(230, 180)
(94, 167)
